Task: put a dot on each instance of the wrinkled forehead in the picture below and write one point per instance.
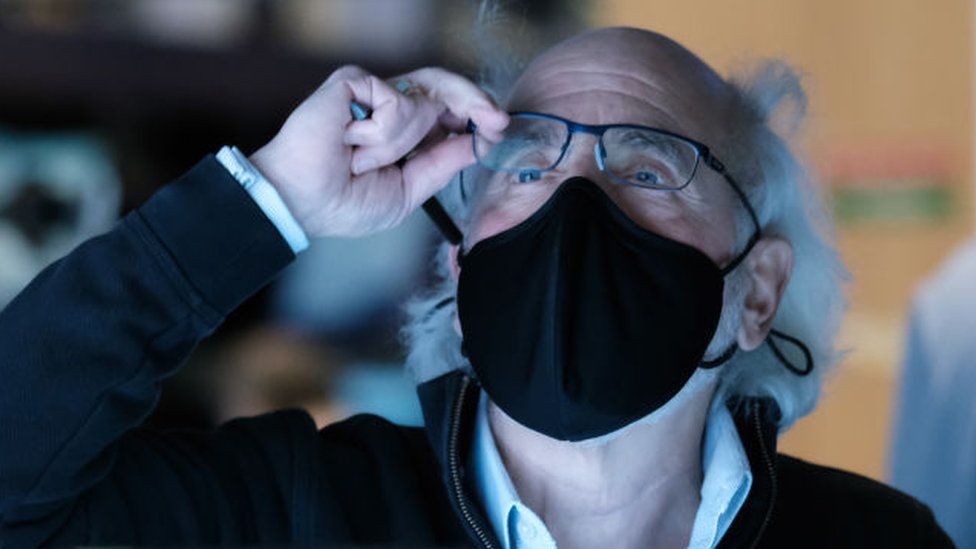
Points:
(623, 75)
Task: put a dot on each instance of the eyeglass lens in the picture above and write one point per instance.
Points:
(533, 144)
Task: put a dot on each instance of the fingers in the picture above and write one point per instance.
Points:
(402, 120)
(397, 124)
(451, 122)
(337, 96)
(432, 168)
(420, 178)
(463, 98)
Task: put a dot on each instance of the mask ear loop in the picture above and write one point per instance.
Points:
(777, 352)
(773, 334)
(720, 359)
(437, 307)
(807, 355)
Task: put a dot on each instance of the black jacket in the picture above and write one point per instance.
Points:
(82, 353)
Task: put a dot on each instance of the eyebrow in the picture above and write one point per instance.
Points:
(666, 144)
(538, 132)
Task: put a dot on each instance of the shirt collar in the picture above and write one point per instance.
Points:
(726, 480)
(493, 485)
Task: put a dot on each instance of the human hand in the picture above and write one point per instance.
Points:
(339, 177)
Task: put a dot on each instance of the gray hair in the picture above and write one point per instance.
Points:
(767, 109)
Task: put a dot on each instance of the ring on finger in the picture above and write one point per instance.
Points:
(406, 87)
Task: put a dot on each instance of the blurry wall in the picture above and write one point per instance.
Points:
(891, 133)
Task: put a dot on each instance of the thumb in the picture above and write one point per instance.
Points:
(432, 168)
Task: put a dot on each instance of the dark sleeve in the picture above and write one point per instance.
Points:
(83, 349)
(929, 533)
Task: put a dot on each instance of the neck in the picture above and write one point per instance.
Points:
(638, 487)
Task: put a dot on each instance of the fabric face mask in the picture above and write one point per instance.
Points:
(578, 321)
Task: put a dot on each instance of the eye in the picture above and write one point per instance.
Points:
(648, 177)
(527, 176)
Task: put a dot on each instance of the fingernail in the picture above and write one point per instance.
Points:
(361, 165)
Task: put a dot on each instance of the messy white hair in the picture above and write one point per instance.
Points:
(767, 107)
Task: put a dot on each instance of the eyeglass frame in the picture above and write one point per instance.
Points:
(597, 130)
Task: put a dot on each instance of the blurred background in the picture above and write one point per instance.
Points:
(103, 101)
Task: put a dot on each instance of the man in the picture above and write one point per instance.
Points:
(614, 289)
(932, 454)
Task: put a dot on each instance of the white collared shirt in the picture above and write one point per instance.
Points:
(265, 195)
(725, 484)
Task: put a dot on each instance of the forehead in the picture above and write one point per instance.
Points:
(624, 76)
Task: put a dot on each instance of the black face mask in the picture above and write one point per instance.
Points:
(578, 321)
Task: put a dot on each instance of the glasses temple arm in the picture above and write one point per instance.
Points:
(436, 212)
(757, 232)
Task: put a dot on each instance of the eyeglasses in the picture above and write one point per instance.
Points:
(630, 154)
(534, 143)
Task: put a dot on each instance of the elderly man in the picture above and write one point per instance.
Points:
(596, 369)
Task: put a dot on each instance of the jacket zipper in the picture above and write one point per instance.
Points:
(455, 468)
(772, 476)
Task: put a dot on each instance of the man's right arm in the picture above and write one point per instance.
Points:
(84, 347)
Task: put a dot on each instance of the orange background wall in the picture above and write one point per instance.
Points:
(878, 72)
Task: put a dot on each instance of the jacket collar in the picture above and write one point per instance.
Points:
(449, 404)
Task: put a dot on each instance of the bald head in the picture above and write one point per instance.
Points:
(617, 75)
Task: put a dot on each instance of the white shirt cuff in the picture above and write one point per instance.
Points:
(265, 195)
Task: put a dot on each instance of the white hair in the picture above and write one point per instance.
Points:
(768, 104)
(768, 108)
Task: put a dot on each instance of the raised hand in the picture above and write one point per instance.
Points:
(340, 177)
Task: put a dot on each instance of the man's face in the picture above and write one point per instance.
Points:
(623, 76)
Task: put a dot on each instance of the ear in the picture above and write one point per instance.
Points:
(769, 265)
